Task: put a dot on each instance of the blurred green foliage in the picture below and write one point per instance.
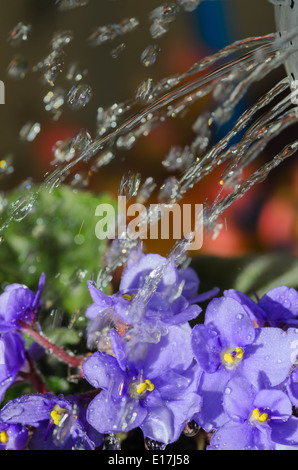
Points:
(254, 274)
(58, 238)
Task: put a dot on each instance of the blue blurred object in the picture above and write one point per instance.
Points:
(214, 23)
(217, 29)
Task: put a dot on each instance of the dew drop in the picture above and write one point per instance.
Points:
(54, 100)
(17, 69)
(79, 96)
(64, 5)
(149, 55)
(75, 73)
(29, 131)
(19, 34)
(168, 192)
(117, 50)
(61, 39)
(189, 5)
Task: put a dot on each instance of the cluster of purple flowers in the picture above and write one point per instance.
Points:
(235, 375)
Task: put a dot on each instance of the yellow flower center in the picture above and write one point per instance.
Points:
(139, 389)
(57, 414)
(256, 415)
(128, 297)
(147, 385)
(3, 437)
(232, 357)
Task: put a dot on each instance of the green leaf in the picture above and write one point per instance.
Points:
(64, 336)
(250, 274)
(16, 391)
(57, 385)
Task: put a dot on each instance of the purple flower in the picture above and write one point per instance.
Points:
(279, 307)
(167, 306)
(60, 423)
(157, 393)
(19, 303)
(171, 304)
(12, 359)
(257, 419)
(13, 437)
(292, 386)
(227, 344)
(16, 303)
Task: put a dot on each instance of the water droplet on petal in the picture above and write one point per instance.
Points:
(191, 429)
(111, 442)
(151, 444)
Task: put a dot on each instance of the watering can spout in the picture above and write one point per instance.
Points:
(286, 17)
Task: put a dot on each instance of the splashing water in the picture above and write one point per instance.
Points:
(227, 75)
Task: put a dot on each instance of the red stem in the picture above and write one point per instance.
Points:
(33, 377)
(59, 352)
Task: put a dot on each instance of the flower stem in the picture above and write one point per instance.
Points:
(33, 377)
(59, 352)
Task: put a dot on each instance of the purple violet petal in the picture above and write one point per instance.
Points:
(228, 317)
(255, 312)
(103, 371)
(280, 305)
(109, 415)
